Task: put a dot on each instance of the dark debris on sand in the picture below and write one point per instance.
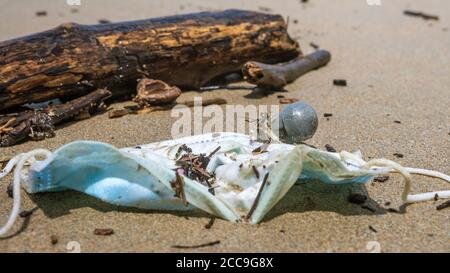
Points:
(104, 231)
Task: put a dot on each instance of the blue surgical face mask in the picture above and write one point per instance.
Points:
(250, 177)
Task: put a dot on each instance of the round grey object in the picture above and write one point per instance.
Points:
(298, 122)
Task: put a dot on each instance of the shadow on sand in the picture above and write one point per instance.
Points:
(304, 196)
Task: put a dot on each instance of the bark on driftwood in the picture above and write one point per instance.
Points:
(186, 51)
(40, 124)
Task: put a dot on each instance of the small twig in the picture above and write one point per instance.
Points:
(227, 87)
(279, 75)
(154, 108)
(40, 124)
(421, 14)
(198, 246)
(104, 231)
(443, 205)
(178, 187)
(210, 223)
(28, 213)
(255, 170)
(206, 102)
(213, 152)
(255, 204)
(6, 127)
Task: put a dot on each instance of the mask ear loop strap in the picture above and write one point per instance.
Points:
(406, 173)
(18, 161)
(396, 167)
(412, 198)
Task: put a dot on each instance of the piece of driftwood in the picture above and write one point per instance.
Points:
(279, 75)
(155, 92)
(40, 124)
(186, 51)
(138, 109)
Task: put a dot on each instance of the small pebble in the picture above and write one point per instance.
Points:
(340, 82)
(381, 179)
(330, 148)
(9, 190)
(54, 239)
(313, 45)
(398, 155)
(41, 13)
(327, 115)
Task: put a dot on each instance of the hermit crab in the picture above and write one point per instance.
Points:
(228, 175)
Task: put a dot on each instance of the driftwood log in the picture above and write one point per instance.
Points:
(187, 51)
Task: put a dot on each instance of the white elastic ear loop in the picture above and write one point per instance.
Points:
(397, 167)
(408, 198)
(406, 173)
(429, 195)
(19, 161)
(11, 163)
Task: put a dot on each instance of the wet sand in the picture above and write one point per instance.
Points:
(397, 68)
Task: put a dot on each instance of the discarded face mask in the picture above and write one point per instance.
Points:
(225, 174)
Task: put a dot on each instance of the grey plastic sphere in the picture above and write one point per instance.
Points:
(298, 122)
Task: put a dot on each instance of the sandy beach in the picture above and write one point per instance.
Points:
(397, 68)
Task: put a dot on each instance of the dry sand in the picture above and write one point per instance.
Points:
(398, 68)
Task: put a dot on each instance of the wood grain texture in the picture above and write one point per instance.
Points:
(187, 51)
